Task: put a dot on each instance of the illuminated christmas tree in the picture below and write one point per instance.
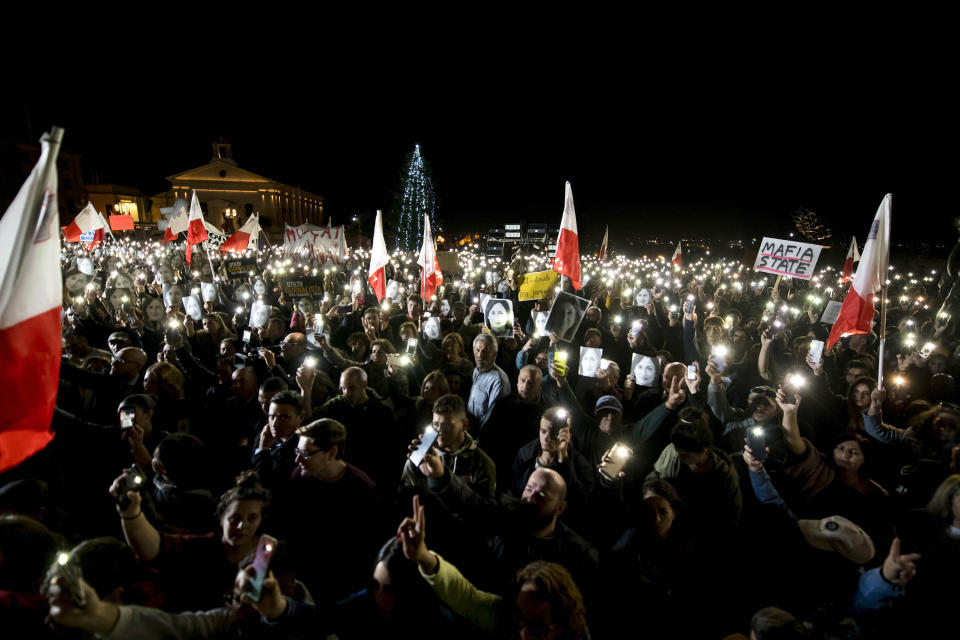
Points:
(416, 198)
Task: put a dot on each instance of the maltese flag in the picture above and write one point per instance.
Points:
(856, 313)
(176, 225)
(376, 275)
(87, 227)
(677, 257)
(566, 261)
(196, 231)
(853, 255)
(240, 240)
(430, 276)
(30, 299)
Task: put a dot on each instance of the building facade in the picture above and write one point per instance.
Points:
(230, 194)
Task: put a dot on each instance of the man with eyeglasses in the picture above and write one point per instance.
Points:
(329, 505)
(275, 457)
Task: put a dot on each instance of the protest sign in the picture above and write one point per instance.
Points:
(193, 308)
(326, 243)
(259, 314)
(240, 267)
(303, 286)
(534, 286)
(498, 317)
(787, 258)
(590, 361)
(831, 312)
(209, 291)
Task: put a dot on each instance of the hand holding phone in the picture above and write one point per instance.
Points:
(261, 562)
(757, 441)
(426, 441)
(816, 350)
(614, 460)
(127, 415)
(66, 576)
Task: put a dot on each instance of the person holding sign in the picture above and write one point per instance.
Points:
(498, 317)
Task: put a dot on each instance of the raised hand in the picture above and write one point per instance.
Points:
(268, 357)
(676, 395)
(752, 463)
(412, 534)
(714, 372)
(693, 385)
(816, 367)
(787, 407)
(271, 604)
(899, 568)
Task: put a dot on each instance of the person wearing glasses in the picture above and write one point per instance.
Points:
(329, 513)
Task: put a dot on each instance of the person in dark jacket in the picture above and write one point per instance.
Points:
(553, 449)
(518, 531)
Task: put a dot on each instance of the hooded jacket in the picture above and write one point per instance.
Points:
(469, 462)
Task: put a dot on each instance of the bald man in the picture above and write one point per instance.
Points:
(376, 446)
(108, 390)
(518, 531)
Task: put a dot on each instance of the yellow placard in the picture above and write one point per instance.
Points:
(534, 286)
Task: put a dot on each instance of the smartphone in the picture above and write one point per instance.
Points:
(67, 576)
(560, 361)
(757, 441)
(688, 306)
(412, 347)
(246, 335)
(344, 309)
(610, 469)
(261, 562)
(131, 321)
(426, 441)
(173, 333)
(239, 360)
(132, 480)
(127, 414)
(816, 349)
(719, 356)
(691, 372)
(395, 360)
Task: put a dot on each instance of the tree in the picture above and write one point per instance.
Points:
(415, 198)
(810, 227)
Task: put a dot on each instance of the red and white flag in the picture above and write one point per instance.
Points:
(239, 242)
(603, 245)
(196, 231)
(376, 275)
(853, 255)
(566, 261)
(87, 228)
(176, 225)
(430, 275)
(677, 257)
(856, 313)
(30, 299)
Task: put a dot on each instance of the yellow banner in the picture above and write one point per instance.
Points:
(534, 286)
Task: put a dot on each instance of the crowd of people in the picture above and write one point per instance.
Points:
(678, 459)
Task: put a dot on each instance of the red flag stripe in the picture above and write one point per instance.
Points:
(29, 375)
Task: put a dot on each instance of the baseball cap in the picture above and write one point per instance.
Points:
(836, 533)
(608, 403)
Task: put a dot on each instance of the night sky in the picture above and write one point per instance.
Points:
(693, 155)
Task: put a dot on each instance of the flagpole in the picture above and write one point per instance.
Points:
(883, 292)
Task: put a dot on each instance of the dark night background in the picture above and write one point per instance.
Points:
(708, 152)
